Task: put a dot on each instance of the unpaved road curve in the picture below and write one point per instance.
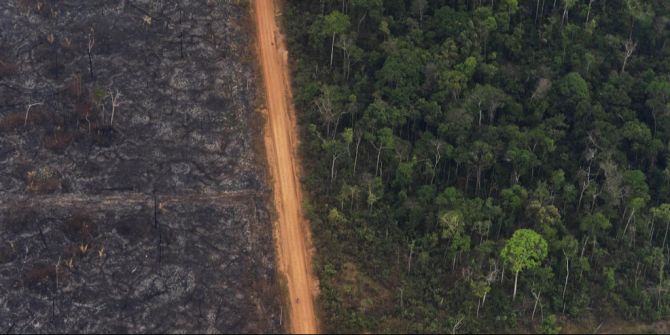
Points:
(291, 229)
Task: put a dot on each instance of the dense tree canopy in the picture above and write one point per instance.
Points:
(451, 145)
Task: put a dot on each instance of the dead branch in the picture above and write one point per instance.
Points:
(25, 121)
(115, 103)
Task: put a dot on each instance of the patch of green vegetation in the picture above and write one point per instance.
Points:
(434, 131)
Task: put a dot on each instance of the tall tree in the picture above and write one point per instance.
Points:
(525, 250)
(335, 23)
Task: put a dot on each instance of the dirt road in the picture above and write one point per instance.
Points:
(292, 230)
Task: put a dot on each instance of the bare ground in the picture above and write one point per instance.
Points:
(292, 231)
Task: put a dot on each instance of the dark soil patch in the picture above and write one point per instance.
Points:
(80, 229)
(7, 253)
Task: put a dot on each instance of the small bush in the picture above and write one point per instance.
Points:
(103, 136)
(550, 325)
(43, 180)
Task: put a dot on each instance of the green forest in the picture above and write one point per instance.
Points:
(484, 165)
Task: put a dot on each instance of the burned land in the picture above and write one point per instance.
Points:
(132, 196)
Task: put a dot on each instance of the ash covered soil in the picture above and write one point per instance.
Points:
(132, 196)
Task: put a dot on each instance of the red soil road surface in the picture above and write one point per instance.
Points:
(292, 232)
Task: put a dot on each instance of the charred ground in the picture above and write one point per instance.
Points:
(131, 196)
